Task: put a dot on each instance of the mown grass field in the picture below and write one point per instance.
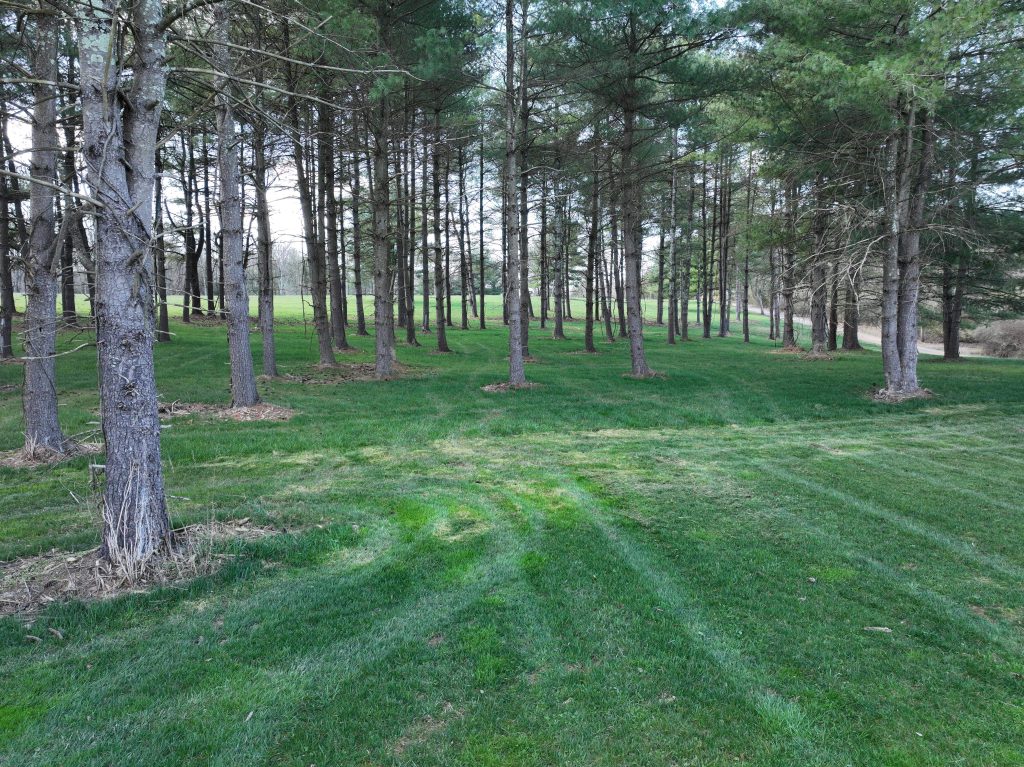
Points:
(597, 571)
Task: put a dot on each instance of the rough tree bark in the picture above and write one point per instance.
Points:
(264, 262)
(516, 369)
(39, 394)
(119, 153)
(243, 377)
(632, 237)
(435, 174)
(383, 306)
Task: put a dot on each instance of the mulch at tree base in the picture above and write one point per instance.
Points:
(894, 398)
(787, 350)
(264, 411)
(32, 457)
(28, 585)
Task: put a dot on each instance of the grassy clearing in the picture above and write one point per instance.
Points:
(596, 571)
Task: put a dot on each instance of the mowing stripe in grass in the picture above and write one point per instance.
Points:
(783, 717)
(955, 546)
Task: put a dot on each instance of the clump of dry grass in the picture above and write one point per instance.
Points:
(33, 456)
(29, 584)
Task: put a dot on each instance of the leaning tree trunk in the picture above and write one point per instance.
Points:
(243, 378)
(39, 395)
(119, 153)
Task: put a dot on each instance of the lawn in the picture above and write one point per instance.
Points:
(688, 570)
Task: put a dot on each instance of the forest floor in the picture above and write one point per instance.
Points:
(745, 561)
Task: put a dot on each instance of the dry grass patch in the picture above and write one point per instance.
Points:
(505, 386)
(354, 371)
(28, 585)
(34, 456)
(264, 411)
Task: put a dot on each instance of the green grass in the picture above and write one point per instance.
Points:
(597, 571)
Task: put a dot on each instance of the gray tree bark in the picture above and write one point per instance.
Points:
(516, 370)
(39, 394)
(383, 307)
(119, 153)
(243, 377)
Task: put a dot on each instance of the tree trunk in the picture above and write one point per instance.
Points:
(851, 315)
(516, 368)
(243, 378)
(6, 277)
(819, 276)
(264, 254)
(480, 204)
(558, 266)
(463, 255)
(632, 237)
(439, 317)
(39, 395)
(789, 268)
(326, 141)
(163, 330)
(673, 261)
(383, 308)
(135, 521)
(592, 244)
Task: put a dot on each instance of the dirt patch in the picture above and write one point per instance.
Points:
(894, 398)
(817, 357)
(787, 350)
(427, 727)
(505, 386)
(645, 376)
(28, 585)
(264, 411)
(33, 457)
(356, 371)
